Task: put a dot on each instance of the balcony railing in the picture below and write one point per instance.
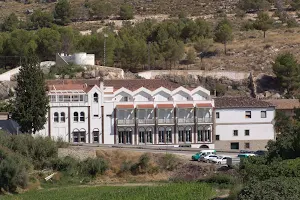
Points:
(204, 120)
(146, 121)
(165, 121)
(125, 121)
(185, 120)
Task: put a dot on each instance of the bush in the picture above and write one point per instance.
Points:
(126, 12)
(235, 191)
(39, 150)
(168, 162)
(125, 167)
(274, 188)
(291, 23)
(13, 171)
(94, 166)
(246, 26)
(67, 164)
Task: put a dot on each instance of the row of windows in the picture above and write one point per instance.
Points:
(235, 133)
(72, 98)
(236, 145)
(263, 114)
(62, 117)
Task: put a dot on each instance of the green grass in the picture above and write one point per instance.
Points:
(164, 192)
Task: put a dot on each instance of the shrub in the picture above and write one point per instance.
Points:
(39, 150)
(13, 171)
(125, 167)
(67, 164)
(126, 12)
(94, 166)
(144, 161)
(235, 191)
(246, 26)
(291, 23)
(274, 188)
(168, 162)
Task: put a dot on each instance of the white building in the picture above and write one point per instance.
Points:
(129, 112)
(77, 59)
(243, 123)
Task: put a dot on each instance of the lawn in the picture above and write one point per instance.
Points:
(164, 192)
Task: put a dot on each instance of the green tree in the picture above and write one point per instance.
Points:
(62, 12)
(286, 69)
(172, 51)
(100, 9)
(191, 56)
(49, 43)
(10, 23)
(202, 46)
(263, 22)
(20, 43)
(126, 12)
(31, 102)
(40, 19)
(223, 33)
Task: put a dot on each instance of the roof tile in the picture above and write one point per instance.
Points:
(284, 104)
(240, 102)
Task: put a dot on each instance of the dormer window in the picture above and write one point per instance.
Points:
(95, 97)
(125, 98)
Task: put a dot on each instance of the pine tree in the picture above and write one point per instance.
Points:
(31, 103)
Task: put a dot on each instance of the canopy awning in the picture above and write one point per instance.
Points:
(125, 106)
(185, 105)
(145, 106)
(204, 105)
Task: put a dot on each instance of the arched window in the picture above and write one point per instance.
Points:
(56, 117)
(96, 97)
(75, 116)
(82, 116)
(62, 117)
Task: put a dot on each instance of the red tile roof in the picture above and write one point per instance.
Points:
(285, 104)
(127, 106)
(145, 106)
(204, 105)
(165, 106)
(134, 84)
(185, 105)
(72, 84)
(241, 102)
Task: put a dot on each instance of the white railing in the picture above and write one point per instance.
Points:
(146, 121)
(185, 120)
(165, 121)
(204, 120)
(125, 121)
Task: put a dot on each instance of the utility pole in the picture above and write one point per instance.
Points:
(104, 50)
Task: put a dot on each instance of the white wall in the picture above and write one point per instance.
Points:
(108, 123)
(161, 96)
(237, 115)
(257, 132)
(181, 96)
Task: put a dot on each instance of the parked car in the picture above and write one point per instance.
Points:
(260, 152)
(209, 158)
(246, 155)
(221, 160)
(202, 153)
(246, 151)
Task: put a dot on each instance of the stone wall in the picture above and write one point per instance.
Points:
(79, 153)
(254, 144)
(233, 75)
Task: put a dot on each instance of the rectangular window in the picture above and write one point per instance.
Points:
(247, 145)
(96, 136)
(248, 114)
(217, 137)
(263, 114)
(60, 98)
(66, 98)
(75, 98)
(247, 132)
(96, 115)
(125, 98)
(235, 133)
(217, 115)
(53, 98)
(81, 98)
(235, 145)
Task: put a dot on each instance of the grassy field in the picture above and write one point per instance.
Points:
(164, 192)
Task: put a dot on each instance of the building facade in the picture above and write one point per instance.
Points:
(155, 112)
(243, 123)
(137, 112)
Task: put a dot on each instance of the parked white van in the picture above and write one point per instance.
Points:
(203, 153)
